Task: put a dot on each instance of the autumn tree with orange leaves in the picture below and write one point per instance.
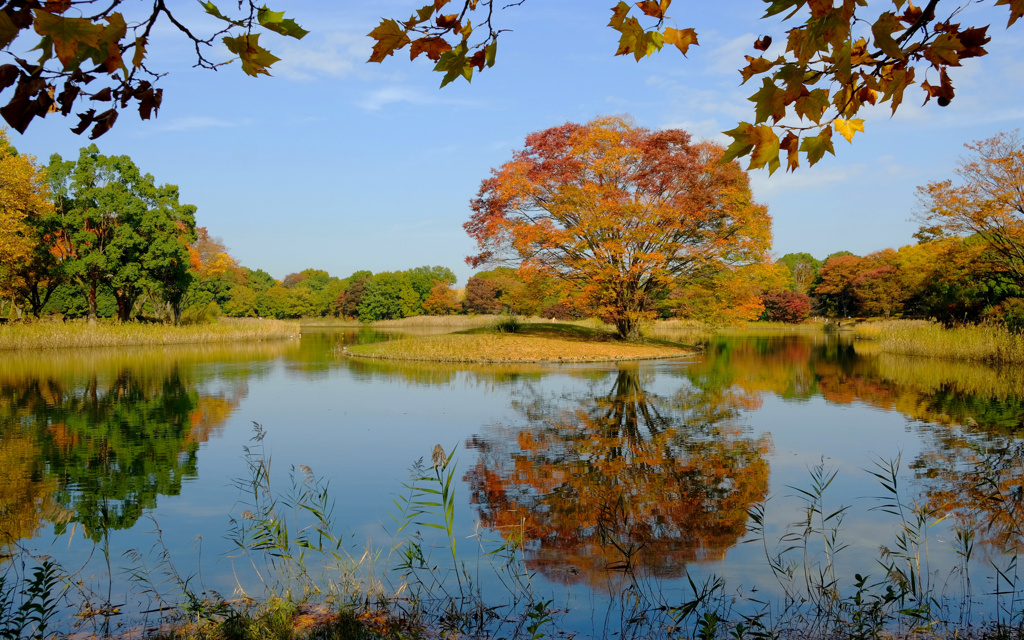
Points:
(987, 201)
(622, 211)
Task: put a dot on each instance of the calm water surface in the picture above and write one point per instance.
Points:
(594, 469)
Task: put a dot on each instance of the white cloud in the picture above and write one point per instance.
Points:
(379, 98)
(335, 55)
(192, 123)
(726, 56)
(803, 179)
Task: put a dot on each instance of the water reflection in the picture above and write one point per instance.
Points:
(969, 417)
(95, 437)
(623, 477)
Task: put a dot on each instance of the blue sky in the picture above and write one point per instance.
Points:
(336, 164)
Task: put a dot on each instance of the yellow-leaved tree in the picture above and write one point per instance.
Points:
(23, 200)
(987, 200)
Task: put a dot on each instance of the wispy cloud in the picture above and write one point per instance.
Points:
(804, 179)
(335, 55)
(193, 123)
(379, 98)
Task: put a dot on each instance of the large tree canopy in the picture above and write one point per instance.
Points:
(987, 200)
(621, 211)
(119, 229)
(838, 58)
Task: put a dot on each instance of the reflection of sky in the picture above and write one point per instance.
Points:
(361, 428)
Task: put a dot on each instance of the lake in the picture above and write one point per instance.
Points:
(754, 482)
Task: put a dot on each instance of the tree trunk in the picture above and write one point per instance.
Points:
(90, 297)
(124, 308)
(627, 328)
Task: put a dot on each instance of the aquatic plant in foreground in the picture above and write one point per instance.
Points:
(289, 541)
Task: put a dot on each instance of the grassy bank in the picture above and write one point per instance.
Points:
(530, 342)
(77, 335)
(992, 344)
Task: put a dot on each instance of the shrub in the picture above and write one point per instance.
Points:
(786, 306)
(1011, 313)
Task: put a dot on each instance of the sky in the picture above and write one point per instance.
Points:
(338, 164)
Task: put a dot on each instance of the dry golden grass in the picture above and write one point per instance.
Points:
(76, 335)
(545, 342)
(971, 378)
(993, 344)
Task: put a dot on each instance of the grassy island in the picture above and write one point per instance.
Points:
(514, 342)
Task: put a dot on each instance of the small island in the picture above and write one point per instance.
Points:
(514, 342)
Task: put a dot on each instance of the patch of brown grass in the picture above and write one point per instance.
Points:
(75, 335)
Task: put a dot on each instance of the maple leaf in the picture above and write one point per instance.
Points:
(816, 146)
(633, 39)
(140, 52)
(651, 8)
(895, 82)
(768, 102)
(454, 63)
(742, 143)
(430, 45)
(847, 128)
(762, 43)
(215, 12)
(755, 66)
(390, 37)
(681, 38)
(425, 13)
(791, 144)
(450, 21)
(619, 13)
(819, 8)
(67, 34)
(492, 52)
(1016, 9)
(8, 30)
(882, 30)
(57, 6)
(778, 6)
(276, 22)
(108, 48)
(972, 40)
(255, 59)
(766, 149)
(944, 51)
(944, 92)
(813, 105)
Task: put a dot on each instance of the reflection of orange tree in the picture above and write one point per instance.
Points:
(974, 475)
(26, 493)
(633, 476)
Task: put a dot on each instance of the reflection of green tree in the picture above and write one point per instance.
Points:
(658, 481)
(108, 446)
(129, 443)
(785, 365)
